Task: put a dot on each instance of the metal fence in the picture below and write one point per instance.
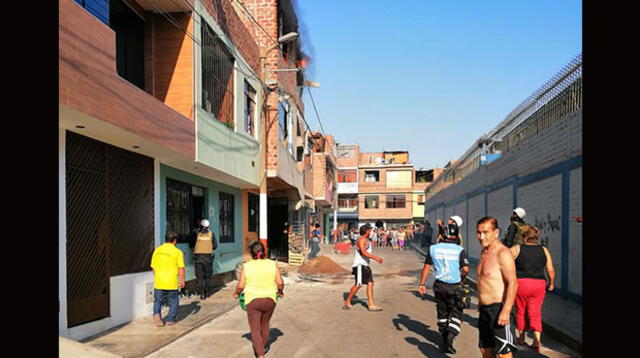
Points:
(557, 98)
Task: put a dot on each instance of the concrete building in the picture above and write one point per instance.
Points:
(152, 137)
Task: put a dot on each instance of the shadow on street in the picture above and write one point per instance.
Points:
(274, 333)
(186, 310)
(430, 348)
(355, 299)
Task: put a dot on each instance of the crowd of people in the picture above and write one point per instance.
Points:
(514, 275)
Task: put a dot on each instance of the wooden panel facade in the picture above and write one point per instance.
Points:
(89, 83)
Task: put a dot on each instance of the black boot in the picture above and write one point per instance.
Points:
(444, 347)
(449, 344)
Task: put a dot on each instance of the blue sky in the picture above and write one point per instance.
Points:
(429, 76)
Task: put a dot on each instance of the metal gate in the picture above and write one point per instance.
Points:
(87, 231)
(110, 222)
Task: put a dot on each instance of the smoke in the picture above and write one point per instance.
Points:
(306, 46)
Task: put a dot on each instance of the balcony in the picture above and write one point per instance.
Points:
(347, 188)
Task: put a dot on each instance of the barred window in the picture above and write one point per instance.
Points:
(217, 77)
(249, 110)
(226, 217)
(254, 212)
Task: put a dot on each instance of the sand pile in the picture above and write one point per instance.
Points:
(322, 265)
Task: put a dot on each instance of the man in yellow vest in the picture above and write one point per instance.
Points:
(202, 259)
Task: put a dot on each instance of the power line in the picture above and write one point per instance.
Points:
(316, 110)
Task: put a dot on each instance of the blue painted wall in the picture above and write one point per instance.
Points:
(563, 169)
(227, 255)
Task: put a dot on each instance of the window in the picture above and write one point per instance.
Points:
(249, 109)
(185, 205)
(226, 217)
(371, 176)
(129, 31)
(425, 176)
(396, 201)
(371, 202)
(347, 176)
(348, 201)
(98, 8)
(299, 153)
(283, 112)
(254, 212)
(217, 77)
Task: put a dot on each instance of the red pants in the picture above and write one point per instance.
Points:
(529, 300)
(259, 311)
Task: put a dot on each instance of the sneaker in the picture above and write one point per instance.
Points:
(158, 321)
(171, 323)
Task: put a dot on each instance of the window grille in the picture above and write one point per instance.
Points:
(249, 111)
(217, 77)
(226, 217)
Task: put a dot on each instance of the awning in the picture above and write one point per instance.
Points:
(345, 216)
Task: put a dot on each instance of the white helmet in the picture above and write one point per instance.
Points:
(204, 223)
(520, 212)
(457, 219)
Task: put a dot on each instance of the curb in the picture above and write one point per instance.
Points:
(556, 333)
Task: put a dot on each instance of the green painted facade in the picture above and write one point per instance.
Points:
(230, 150)
(227, 255)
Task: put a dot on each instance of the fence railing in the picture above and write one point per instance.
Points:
(558, 97)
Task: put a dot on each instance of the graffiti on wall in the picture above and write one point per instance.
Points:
(547, 226)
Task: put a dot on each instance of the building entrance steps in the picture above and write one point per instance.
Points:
(561, 318)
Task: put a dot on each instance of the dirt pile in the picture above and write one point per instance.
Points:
(322, 265)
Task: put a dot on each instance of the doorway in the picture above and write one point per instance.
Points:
(278, 239)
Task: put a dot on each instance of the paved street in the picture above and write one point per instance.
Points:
(309, 321)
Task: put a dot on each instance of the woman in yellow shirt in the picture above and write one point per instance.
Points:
(260, 279)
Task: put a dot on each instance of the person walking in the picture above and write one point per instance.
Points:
(203, 259)
(261, 281)
(167, 264)
(315, 242)
(394, 239)
(374, 237)
(451, 266)
(497, 287)
(514, 231)
(402, 238)
(362, 270)
(531, 261)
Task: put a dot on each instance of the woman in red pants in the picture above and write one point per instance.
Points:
(531, 261)
(261, 280)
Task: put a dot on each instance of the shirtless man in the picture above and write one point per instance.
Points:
(497, 286)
